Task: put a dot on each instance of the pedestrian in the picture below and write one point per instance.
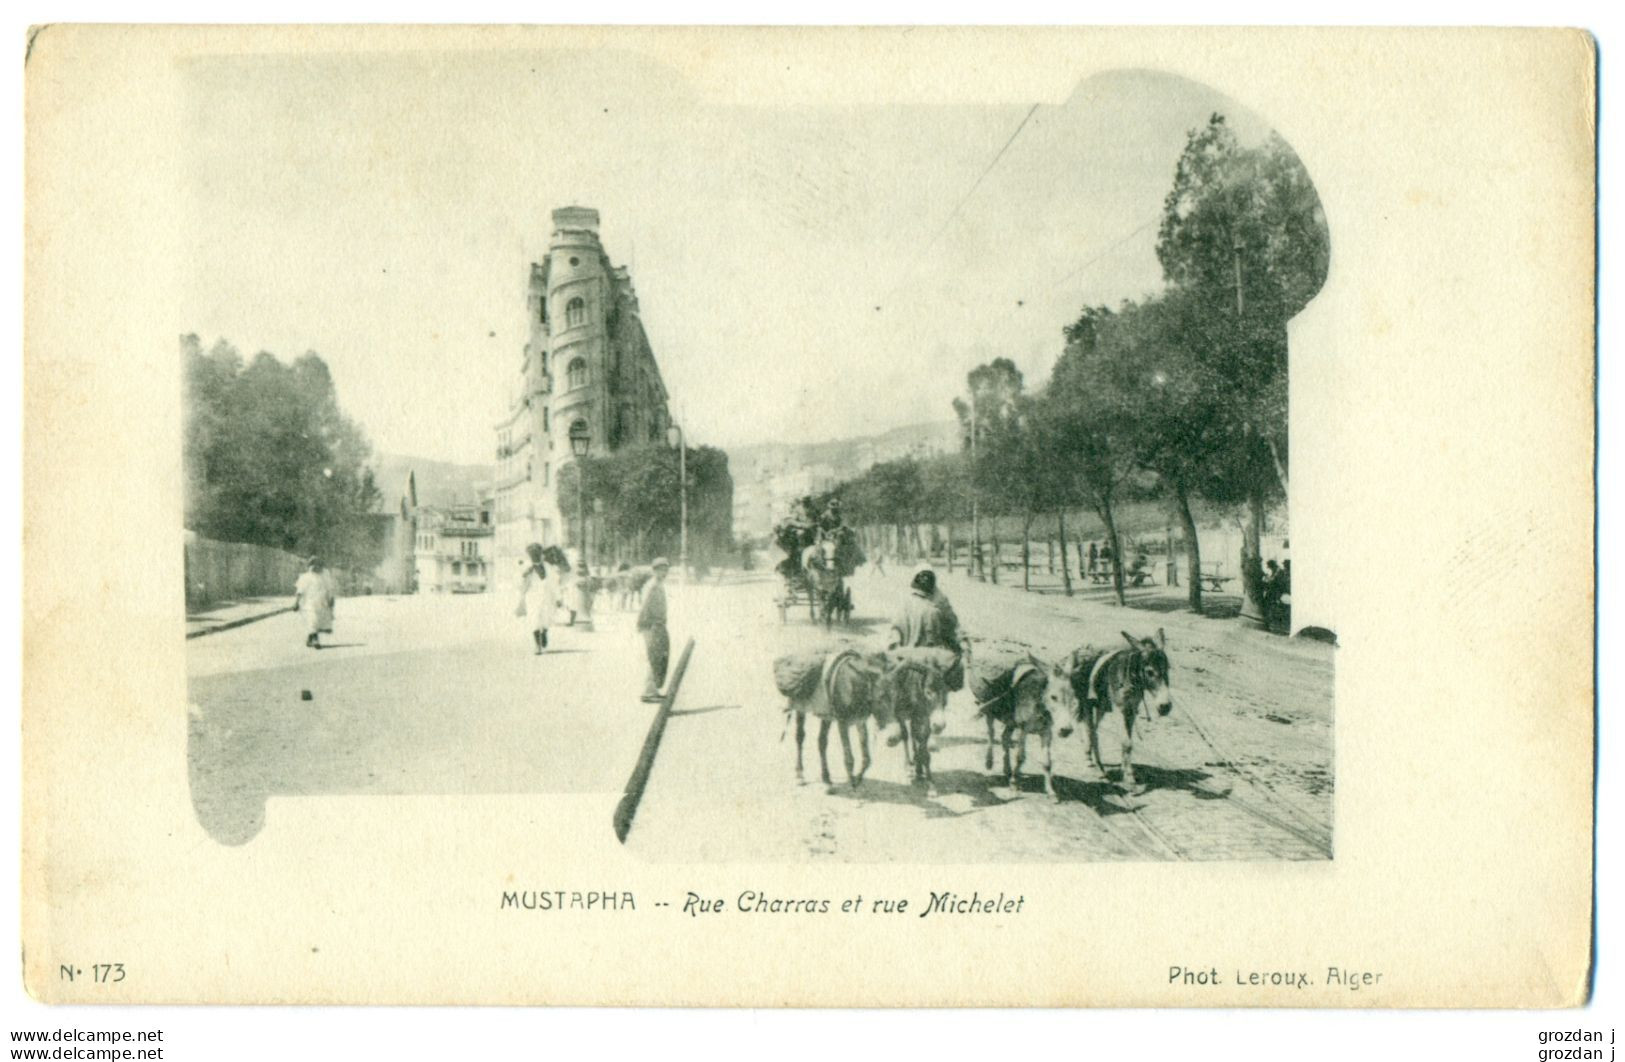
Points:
(1140, 571)
(563, 581)
(1094, 558)
(584, 584)
(927, 620)
(313, 596)
(652, 625)
(537, 599)
(880, 562)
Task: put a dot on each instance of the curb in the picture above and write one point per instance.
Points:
(242, 622)
(639, 779)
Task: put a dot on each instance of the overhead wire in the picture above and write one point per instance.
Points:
(954, 213)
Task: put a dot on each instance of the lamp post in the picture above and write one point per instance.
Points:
(580, 440)
(674, 436)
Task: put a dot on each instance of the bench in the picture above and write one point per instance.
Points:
(1214, 578)
(1102, 576)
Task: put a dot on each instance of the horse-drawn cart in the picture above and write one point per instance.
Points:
(814, 569)
(795, 592)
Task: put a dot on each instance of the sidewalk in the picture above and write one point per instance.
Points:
(229, 614)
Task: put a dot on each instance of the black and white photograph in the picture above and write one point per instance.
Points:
(955, 439)
(653, 497)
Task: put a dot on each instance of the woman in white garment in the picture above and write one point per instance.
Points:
(537, 597)
(563, 581)
(313, 597)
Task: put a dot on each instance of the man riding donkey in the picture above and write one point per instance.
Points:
(928, 621)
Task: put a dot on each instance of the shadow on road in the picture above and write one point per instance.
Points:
(1220, 607)
(1106, 796)
(975, 786)
(706, 710)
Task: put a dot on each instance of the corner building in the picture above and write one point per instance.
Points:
(587, 362)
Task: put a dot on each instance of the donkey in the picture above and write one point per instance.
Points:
(846, 693)
(831, 600)
(915, 686)
(1130, 680)
(1036, 696)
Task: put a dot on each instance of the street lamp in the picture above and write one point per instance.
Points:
(580, 440)
(674, 436)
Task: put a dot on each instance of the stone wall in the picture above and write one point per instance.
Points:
(225, 571)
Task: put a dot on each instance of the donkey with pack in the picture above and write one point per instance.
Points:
(842, 688)
(1128, 680)
(914, 689)
(1022, 696)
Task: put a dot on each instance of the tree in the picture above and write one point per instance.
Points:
(1244, 237)
(1173, 403)
(270, 459)
(1090, 422)
(994, 390)
(944, 488)
(635, 497)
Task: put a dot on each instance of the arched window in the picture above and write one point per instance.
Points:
(576, 376)
(575, 312)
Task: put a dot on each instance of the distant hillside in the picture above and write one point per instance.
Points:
(844, 457)
(439, 482)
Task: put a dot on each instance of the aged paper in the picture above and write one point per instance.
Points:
(213, 819)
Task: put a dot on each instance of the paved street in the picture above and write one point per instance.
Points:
(427, 695)
(439, 695)
(723, 787)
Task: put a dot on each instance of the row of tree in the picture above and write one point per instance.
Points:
(634, 498)
(1182, 393)
(270, 459)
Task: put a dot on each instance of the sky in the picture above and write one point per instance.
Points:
(804, 273)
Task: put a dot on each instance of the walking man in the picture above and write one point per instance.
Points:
(652, 625)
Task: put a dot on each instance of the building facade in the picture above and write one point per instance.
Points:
(452, 551)
(587, 369)
(790, 486)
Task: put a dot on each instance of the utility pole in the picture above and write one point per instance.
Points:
(975, 511)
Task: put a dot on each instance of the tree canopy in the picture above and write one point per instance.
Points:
(271, 459)
(1182, 393)
(636, 495)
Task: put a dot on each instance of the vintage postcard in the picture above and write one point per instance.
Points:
(740, 517)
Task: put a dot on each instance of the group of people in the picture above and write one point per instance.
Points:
(547, 586)
(1098, 565)
(540, 597)
(803, 529)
